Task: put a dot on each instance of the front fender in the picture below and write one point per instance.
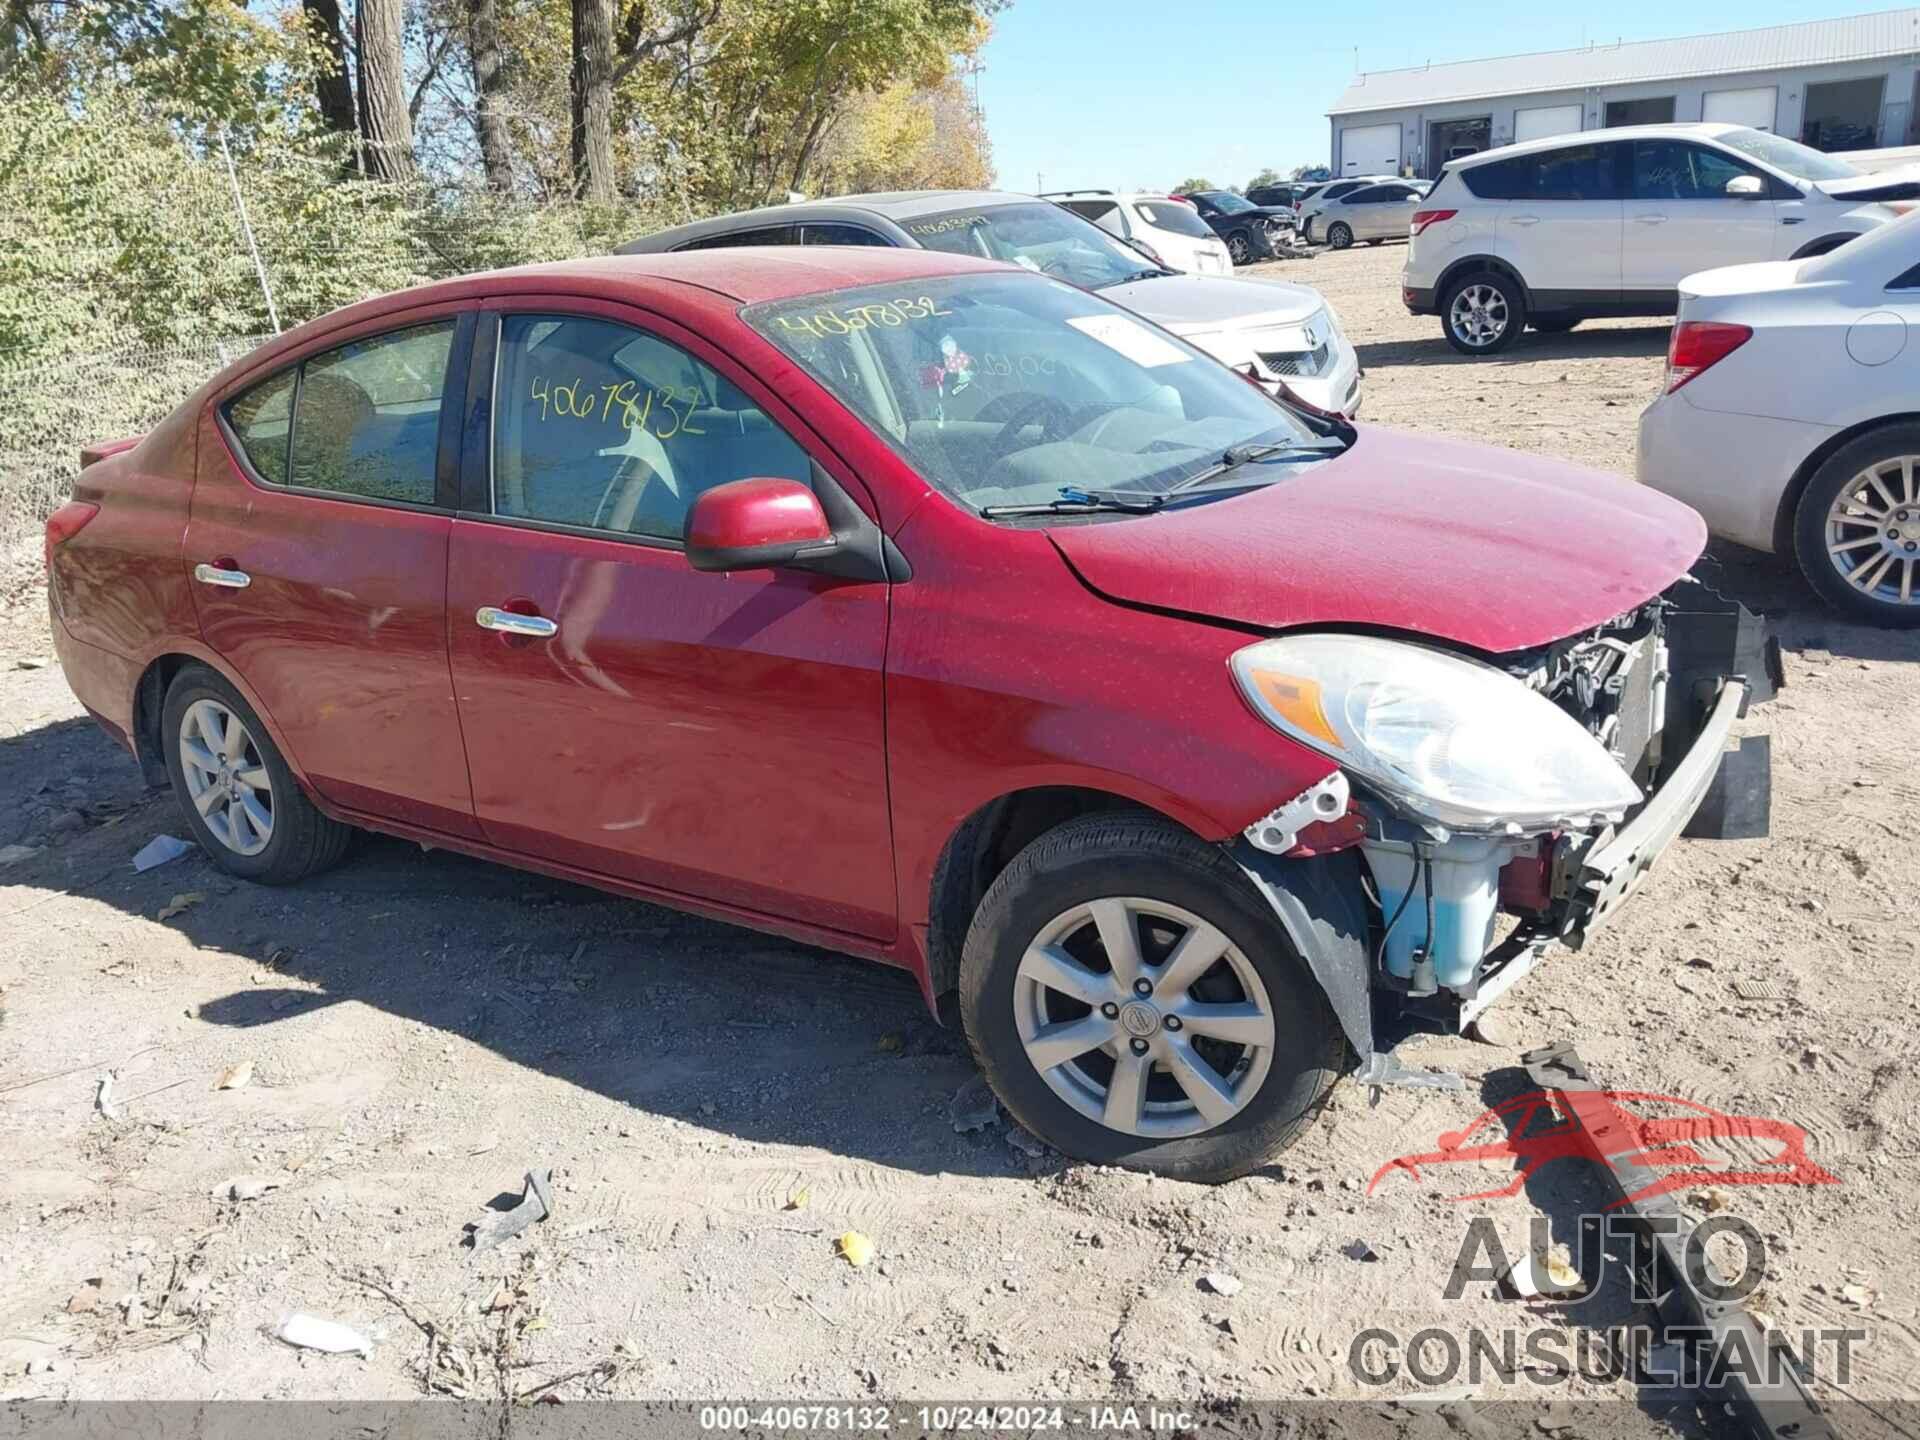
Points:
(1321, 905)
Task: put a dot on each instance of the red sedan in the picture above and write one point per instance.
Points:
(925, 609)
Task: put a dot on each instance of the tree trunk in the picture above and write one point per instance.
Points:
(489, 89)
(384, 123)
(332, 90)
(592, 95)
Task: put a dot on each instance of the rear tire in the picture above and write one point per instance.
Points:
(236, 792)
(1339, 235)
(1866, 500)
(1133, 1094)
(1483, 313)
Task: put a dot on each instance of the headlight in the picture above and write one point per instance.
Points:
(1450, 740)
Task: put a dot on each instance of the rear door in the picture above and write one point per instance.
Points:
(1561, 227)
(1680, 217)
(718, 736)
(317, 545)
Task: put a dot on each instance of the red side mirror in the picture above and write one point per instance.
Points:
(751, 524)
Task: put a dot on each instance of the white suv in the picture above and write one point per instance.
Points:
(1170, 231)
(1607, 222)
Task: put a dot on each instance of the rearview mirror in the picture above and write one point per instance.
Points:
(1746, 187)
(752, 524)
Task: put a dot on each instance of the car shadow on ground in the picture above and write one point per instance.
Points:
(1603, 342)
(1773, 586)
(707, 1023)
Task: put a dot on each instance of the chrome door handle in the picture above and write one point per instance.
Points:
(1523, 219)
(1649, 219)
(227, 579)
(508, 622)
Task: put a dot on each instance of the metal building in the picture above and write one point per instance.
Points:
(1849, 84)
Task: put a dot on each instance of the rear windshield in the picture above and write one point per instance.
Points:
(1172, 215)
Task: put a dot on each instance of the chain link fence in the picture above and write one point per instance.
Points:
(50, 409)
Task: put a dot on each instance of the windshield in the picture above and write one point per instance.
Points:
(1800, 161)
(1229, 203)
(1038, 236)
(1007, 389)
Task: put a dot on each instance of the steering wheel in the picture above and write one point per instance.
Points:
(1056, 426)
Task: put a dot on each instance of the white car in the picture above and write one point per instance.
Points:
(1607, 222)
(1287, 333)
(1316, 203)
(1788, 418)
(1169, 230)
(1373, 213)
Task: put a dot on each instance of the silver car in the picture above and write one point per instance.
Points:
(1272, 330)
(1372, 213)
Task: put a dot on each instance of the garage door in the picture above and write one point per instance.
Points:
(1370, 150)
(1545, 120)
(1740, 107)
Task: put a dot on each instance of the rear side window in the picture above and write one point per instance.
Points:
(1580, 172)
(839, 235)
(261, 419)
(766, 235)
(362, 420)
(366, 417)
(604, 427)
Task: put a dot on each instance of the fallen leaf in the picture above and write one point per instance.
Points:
(890, 1044)
(798, 1199)
(539, 1322)
(1712, 1199)
(855, 1248)
(235, 1077)
(180, 904)
(503, 1299)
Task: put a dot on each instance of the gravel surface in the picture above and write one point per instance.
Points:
(719, 1108)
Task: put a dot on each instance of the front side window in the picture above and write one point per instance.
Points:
(601, 426)
(1675, 170)
(1008, 389)
(365, 418)
(1037, 235)
(1799, 161)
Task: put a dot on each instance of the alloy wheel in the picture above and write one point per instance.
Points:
(1873, 531)
(1144, 1017)
(1238, 249)
(1478, 315)
(1339, 237)
(227, 780)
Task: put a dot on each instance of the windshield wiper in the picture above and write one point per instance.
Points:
(1153, 274)
(1074, 501)
(1237, 455)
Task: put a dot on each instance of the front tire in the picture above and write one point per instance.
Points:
(1483, 313)
(1240, 247)
(1339, 235)
(1133, 1001)
(235, 789)
(1856, 532)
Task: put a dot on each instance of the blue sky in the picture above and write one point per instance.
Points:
(1144, 93)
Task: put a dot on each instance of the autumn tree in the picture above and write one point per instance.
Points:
(386, 121)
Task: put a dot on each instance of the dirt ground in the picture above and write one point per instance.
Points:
(717, 1107)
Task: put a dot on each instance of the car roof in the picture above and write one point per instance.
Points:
(746, 274)
(888, 204)
(1699, 130)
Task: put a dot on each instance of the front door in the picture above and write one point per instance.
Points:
(1680, 217)
(1562, 225)
(710, 735)
(317, 546)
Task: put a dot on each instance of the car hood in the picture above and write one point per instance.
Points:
(1902, 182)
(1202, 304)
(1466, 544)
